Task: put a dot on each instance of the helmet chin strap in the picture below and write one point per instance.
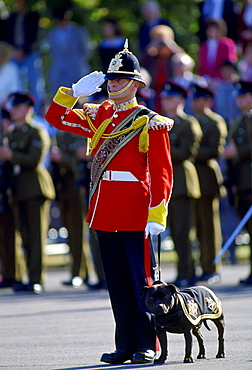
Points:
(122, 90)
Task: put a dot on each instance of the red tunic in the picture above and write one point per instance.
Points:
(123, 205)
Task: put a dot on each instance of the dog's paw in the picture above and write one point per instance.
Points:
(220, 355)
(201, 356)
(188, 360)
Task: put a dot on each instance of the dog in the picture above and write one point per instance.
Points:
(183, 312)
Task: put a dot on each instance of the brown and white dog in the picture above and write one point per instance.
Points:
(184, 311)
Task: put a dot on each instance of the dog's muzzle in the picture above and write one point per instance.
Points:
(161, 309)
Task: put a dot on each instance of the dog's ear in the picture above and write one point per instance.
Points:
(144, 291)
(173, 288)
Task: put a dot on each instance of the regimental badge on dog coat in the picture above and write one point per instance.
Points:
(199, 304)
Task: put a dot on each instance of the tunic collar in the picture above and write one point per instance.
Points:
(125, 105)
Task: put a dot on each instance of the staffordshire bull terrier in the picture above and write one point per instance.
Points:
(183, 312)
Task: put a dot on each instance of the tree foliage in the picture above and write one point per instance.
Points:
(183, 15)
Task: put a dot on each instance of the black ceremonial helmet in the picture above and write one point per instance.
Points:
(125, 65)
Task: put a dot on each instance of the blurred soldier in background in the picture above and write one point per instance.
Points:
(65, 175)
(185, 138)
(10, 266)
(208, 225)
(239, 150)
(32, 186)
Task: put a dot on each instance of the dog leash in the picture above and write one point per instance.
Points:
(156, 265)
(159, 257)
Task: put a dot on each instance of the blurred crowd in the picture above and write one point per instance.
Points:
(210, 100)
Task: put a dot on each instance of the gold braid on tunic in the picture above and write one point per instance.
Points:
(99, 133)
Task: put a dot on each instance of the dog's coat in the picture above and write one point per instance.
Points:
(199, 303)
(184, 311)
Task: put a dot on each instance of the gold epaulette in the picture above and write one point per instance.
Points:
(159, 122)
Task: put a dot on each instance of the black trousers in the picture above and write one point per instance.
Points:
(125, 257)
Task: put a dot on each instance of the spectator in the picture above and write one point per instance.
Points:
(150, 11)
(68, 45)
(32, 186)
(146, 96)
(112, 41)
(184, 138)
(182, 71)
(20, 30)
(239, 151)
(8, 72)
(245, 25)
(219, 9)
(225, 93)
(207, 214)
(157, 58)
(245, 64)
(216, 50)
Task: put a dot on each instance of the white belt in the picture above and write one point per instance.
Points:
(118, 176)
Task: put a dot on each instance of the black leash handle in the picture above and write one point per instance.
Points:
(156, 266)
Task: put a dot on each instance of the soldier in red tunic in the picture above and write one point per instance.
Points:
(131, 183)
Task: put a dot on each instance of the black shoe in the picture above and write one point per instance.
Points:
(144, 356)
(210, 278)
(247, 281)
(192, 281)
(19, 287)
(7, 283)
(31, 288)
(75, 282)
(98, 286)
(118, 357)
(180, 282)
(34, 288)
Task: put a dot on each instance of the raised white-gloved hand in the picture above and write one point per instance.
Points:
(88, 84)
(153, 228)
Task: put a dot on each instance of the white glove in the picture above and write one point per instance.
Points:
(88, 85)
(153, 228)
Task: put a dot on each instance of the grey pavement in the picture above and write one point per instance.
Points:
(68, 329)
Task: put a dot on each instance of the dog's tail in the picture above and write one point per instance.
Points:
(205, 323)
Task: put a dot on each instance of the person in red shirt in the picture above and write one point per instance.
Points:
(216, 50)
(131, 184)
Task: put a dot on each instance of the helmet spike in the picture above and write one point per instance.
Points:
(126, 44)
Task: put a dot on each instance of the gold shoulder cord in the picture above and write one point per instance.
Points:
(99, 133)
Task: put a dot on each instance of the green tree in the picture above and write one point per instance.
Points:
(182, 13)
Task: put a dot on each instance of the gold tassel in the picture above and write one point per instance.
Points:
(144, 139)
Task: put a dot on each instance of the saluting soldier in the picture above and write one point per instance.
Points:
(32, 186)
(239, 150)
(65, 175)
(208, 224)
(184, 139)
(131, 182)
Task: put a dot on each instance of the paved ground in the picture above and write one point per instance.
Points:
(68, 329)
